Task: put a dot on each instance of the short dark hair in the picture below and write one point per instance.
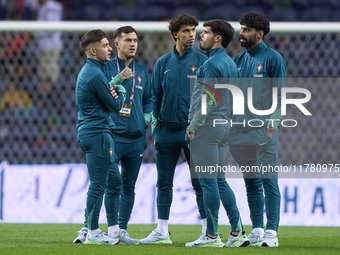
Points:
(222, 28)
(125, 30)
(255, 20)
(91, 37)
(182, 19)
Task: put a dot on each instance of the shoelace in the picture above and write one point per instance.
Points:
(125, 234)
(82, 233)
(100, 234)
(157, 233)
(257, 237)
(268, 235)
(202, 237)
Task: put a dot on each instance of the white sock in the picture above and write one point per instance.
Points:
(270, 231)
(114, 231)
(204, 226)
(92, 233)
(258, 231)
(163, 227)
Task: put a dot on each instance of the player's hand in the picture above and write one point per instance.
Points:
(126, 73)
(270, 133)
(191, 136)
(154, 123)
(113, 91)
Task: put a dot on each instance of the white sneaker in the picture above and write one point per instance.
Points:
(156, 238)
(237, 241)
(255, 239)
(81, 235)
(270, 240)
(126, 239)
(100, 238)
(206, 241)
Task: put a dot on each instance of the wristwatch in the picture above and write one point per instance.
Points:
(271, 128)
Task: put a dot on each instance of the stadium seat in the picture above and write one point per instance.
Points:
(268, 4)
(164, 3)
(122, 13)
(329, 3)
(226, 12)
(316, 14)
(197, 3)
(335, 15)
(300, 4)
(94, 12)
(191, 10)
(255, 8)
(153, 13)
(283, 15)
(103, 3)
(235, 3)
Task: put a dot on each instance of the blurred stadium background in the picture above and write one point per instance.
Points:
(40, 128)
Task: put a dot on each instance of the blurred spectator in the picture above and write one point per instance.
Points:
(50, 44)
(16, 9)
(15, 44)
(15, 98)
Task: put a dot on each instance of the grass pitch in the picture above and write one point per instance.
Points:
(57, 239)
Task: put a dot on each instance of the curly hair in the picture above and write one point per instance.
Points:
(182, 19)
(255, 20)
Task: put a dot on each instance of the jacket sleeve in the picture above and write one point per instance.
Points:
(157, 89)
(277, 67)
(147, 95)
(101, 85)
(202, 85)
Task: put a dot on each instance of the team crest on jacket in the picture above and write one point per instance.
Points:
(139, 78)
(259, 68)
(193, 68)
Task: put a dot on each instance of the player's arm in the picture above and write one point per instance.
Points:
(101, 86)
(277, 70)
(115, 83)
(198, 119)
(157, 93)
(147, 99)
(117, 80)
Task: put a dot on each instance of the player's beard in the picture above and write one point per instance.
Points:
(206, 47)
(249, 42)
(202, 47)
